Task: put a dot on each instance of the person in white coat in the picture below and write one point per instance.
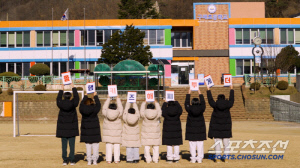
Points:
(151, 132)
(112, 129)
(131, 133)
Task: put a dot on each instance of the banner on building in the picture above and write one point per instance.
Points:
(194, 84)
(174, 79)
(131, 97)
(170, 95)
(149, 95)
(90, 87)
(66, 78)
(112, 90)
(208, 80)
(227, 80)
(201, 79)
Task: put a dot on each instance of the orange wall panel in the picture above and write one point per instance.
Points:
(284, 20)
(259, 21)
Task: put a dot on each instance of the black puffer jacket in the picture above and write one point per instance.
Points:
(90, 127)
(67, 122)
(172, 133)
(220, 125)
(195, 123)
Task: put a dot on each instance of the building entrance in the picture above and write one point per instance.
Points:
(183, 71)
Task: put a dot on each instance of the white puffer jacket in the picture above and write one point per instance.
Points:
(112, 124)
(151, 133)
(131, 129)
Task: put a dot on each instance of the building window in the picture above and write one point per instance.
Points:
(55, 69)
(63, 38)
(99, 37)
(91, 67)
(243, 66)
(245, 36)
(287, 36)
(63, 67)
(3, 36)
(2, 67)
(154, 37)
(26, 67)
(96, 37)
(181, 39)
(43, 38)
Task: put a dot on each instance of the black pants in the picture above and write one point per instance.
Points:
(64, 143)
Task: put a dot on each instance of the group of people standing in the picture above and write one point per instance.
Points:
(121, 127)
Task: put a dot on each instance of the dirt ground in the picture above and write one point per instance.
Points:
(37, 151)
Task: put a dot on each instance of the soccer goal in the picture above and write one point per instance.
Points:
(36, 109)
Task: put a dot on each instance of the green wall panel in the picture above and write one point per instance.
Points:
(167, 36)
(77, 66)
(232, 67)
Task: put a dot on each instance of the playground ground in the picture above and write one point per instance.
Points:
(36, 151)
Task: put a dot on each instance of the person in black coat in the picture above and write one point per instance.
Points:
(220, 126)
(67, 122)
(172, 133)
(195, 126)
(90, 127)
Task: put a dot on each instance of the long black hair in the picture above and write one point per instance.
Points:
(171, 103)
(221, 97)
(67, 95)
(150, 106)
(131, 111)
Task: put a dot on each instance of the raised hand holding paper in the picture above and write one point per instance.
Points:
(194, 84)
(90, 87)
(208, 80)
(66, 78)
(112, 90)
(227, 80)
(149, 95)
(131, 97)
(170, 95)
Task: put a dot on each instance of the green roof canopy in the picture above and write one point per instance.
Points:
(102, 67)
(129, 65)
(153, 69)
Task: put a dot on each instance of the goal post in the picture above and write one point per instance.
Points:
(15, 108)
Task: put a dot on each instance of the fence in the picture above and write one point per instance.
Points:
(266, 80)
(29, 82)
(284, 110)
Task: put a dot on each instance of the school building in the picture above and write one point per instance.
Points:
(218, 40)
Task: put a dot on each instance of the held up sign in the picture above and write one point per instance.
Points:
(131, 97)
(66, 78)
(112, 90)
(170, 95)
(227, 80)
(208, 80)
(149, 95)
(194, 84)
(90, 87)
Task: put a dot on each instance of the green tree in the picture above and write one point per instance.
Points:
(39, 69)
(126, 45)
(137, 9)
(287, 58)
(275, 8)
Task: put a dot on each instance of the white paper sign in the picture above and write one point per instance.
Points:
(227, 80)
(90, 87)
(174, 79)
(257, 60)
(131, 97)
(208, 80)
(170, 95)
(112, 90)
(149, 95)
(194, 84)
(201, 79)
(66, 78)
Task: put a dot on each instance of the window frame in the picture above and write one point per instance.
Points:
(187, 42)
(243, 70)
(250, 31)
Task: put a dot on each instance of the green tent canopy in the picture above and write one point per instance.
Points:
(129, 65)
(102, 67)
(153, 69)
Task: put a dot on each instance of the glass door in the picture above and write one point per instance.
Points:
(183, 75)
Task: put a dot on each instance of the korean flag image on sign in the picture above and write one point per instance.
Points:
(112, 90)
(227, 80)
(194, 84)
(149, 95)
(208, 80)
(90, 87)
(66, 78)
(131, 97)
(170, 95)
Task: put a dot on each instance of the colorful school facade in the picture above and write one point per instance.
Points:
(217, 41)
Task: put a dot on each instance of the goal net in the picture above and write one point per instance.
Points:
(35, 112)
